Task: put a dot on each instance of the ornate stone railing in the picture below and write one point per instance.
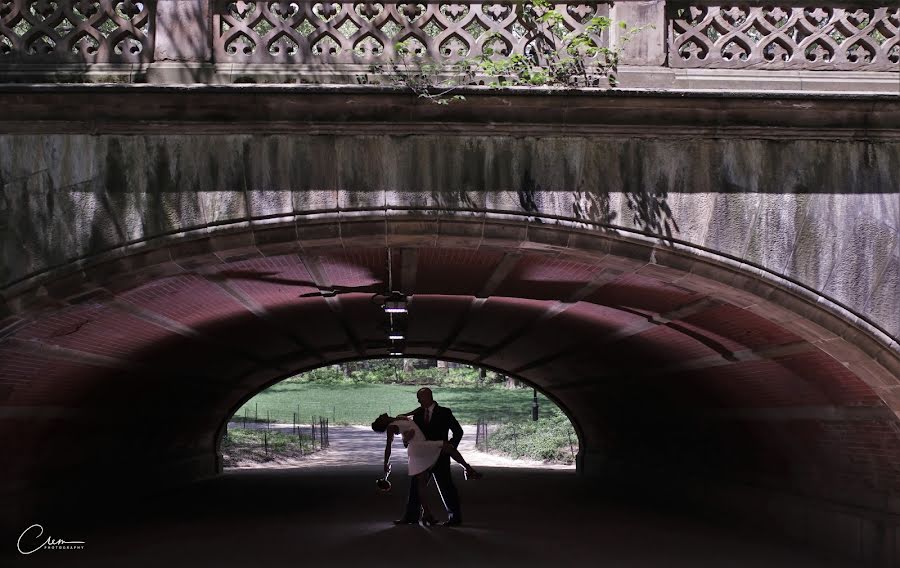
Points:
(812, 36)
(82, 31)
(367, 32)
(224, 41)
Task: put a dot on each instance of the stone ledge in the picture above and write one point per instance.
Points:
(629, 76)
(333, 109)
(845, 82)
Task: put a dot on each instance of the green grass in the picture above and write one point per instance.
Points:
(242, 445)
(361, 404)
(276, 441)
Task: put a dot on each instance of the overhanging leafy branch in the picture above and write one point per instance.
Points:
(554, 56)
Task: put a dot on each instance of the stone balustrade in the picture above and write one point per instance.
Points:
(228, 41)
(712, 35)
(353, 32)
(73, 31)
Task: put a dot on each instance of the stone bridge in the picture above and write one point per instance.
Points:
(702, 267)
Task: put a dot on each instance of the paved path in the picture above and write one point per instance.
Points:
(326, 513)
(359, 445)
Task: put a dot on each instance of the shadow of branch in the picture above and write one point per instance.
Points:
(648, 209)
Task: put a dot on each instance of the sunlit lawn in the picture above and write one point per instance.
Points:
(360, 404)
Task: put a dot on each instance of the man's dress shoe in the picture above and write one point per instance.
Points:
(405, 521)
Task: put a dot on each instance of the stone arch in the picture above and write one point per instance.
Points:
(834, 376)
(774, 199)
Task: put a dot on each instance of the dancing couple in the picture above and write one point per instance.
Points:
(424, 431)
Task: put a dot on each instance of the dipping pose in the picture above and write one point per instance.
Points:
(423, 455)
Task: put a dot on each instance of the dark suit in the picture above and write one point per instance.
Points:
(442, 421)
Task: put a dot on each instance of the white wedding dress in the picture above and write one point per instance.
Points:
(422, 453)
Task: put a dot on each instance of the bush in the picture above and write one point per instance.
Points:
(331, 375)
(259, 445)
(277, 441)
(550, 439)
(397, 372)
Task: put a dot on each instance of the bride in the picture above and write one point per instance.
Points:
(422, 453)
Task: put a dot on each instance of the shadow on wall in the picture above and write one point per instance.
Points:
(75, 34)
(177, 37)
(51, 224)
(649, 208)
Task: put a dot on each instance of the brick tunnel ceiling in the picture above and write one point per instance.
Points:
(618, 349)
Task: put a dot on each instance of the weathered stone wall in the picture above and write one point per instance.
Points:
(823, 213)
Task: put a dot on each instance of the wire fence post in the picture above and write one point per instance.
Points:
(571, 447)
(515, 441)
(299, 437)
(256, 414)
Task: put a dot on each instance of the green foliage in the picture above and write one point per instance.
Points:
(247, 445)
(555, 56)
(328, 393)
(277, 441)
(551, 438)
(426, 78)
(361, 403)
(324, 375)
(396, 372)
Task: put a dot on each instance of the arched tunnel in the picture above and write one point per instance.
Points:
(679, 368)
(706, 285)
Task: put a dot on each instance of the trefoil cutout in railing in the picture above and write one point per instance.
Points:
(369, 32)
(76, 31)
(777, 37)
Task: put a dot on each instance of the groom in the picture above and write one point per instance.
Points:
(434, 421)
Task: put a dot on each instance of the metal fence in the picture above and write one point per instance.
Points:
(311, 437)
